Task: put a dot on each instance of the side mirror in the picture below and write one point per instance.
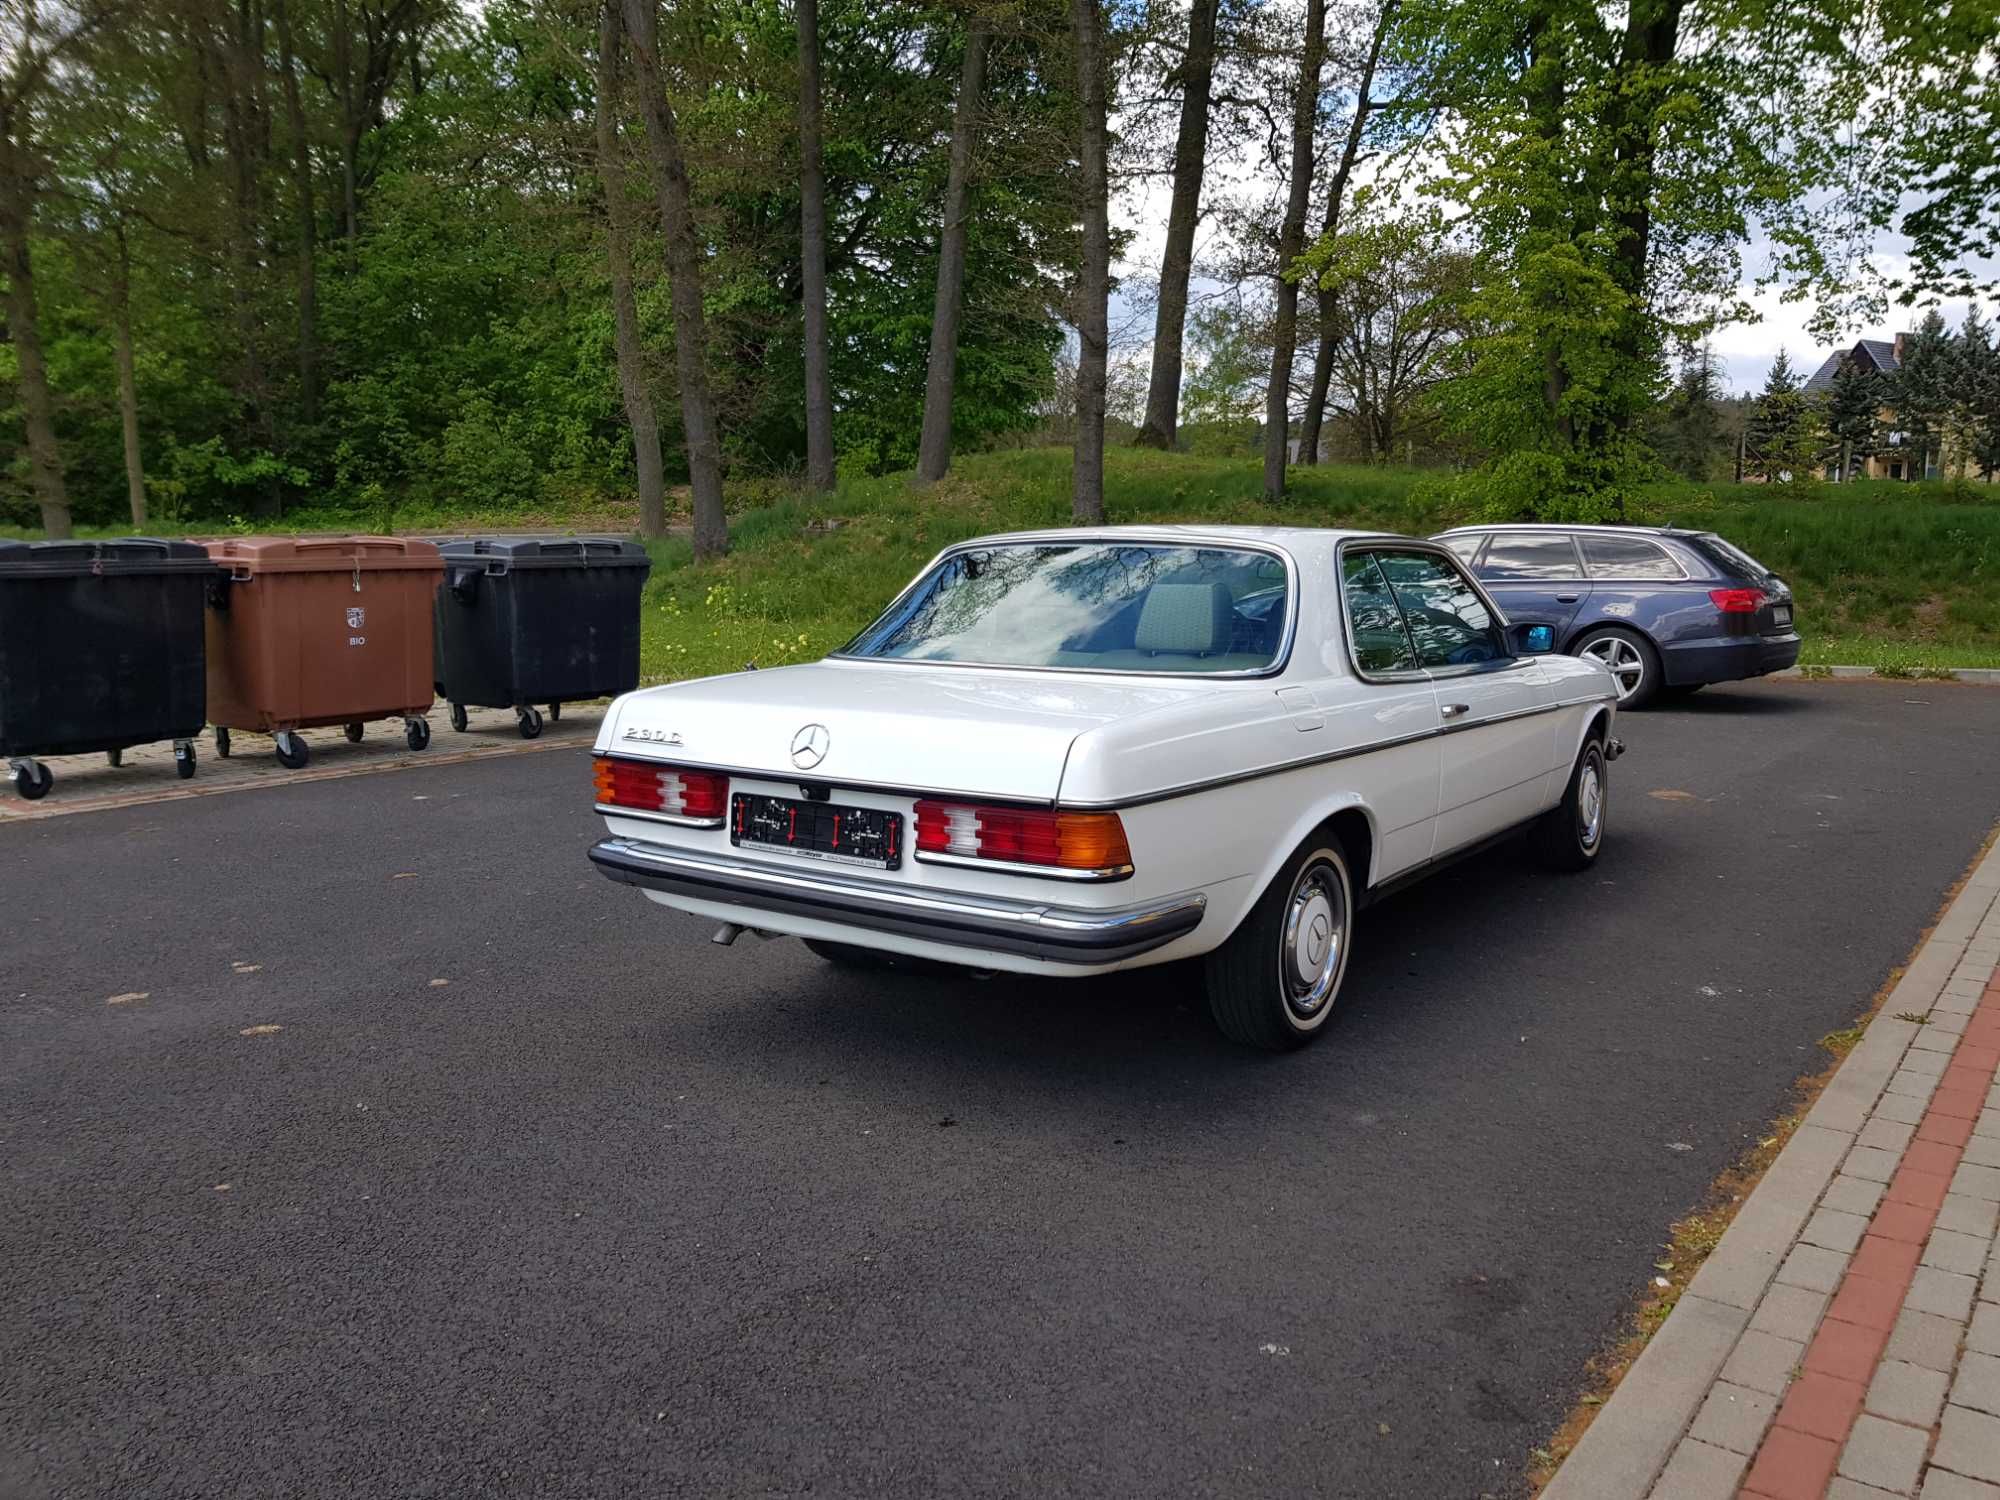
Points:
(1531, 640)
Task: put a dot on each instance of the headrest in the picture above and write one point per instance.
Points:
(1187, 619)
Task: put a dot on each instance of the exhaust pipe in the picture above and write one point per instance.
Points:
(726, 934)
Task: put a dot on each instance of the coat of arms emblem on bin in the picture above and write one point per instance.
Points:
(356, 618)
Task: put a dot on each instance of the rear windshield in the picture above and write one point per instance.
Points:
(1091, 607)
(1733, 556)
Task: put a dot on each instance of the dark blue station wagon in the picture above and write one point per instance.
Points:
(1666, 610)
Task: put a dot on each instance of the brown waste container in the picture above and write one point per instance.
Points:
(303, 633)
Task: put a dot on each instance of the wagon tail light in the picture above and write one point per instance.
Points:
(1086, 843)
(1737, 601)
(671, 791)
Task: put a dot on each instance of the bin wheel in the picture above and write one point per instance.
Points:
(417, 733)
(458, 717)
(292, 751)
(353, 732)
(531, 723)
(555, 713)
(32, 780)
(184, 759)
(114, 758)
(222, 742)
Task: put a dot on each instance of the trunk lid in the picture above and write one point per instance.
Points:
(974, 731)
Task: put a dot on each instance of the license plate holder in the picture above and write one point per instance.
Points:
(836, 833)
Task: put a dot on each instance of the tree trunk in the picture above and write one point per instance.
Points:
(1336, 193)
(684, 267)
(1163, 392)
(128, 384)
(1652, 34)
(1093, 283)
(639, 413)
(45, 468)
(934, 445)
(308, 223)
(1291, 244)
(812, 255)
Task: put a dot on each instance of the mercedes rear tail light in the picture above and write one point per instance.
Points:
(1083, 843)
(666, 791)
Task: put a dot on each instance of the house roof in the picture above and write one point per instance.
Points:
(1879, 355)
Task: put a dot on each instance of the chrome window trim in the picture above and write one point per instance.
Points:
(1392, 542)
(1279, 660)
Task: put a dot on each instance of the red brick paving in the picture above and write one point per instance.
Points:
(1798, 1456)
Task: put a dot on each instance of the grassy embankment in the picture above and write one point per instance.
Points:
(1901, 577)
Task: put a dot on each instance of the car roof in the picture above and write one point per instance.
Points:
(1278, 536)
(1552, 526)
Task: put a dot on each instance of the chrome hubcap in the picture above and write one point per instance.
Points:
(1315, 941)
(1627, 666)
(1590, 805)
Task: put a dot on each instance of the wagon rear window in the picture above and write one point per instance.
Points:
(1091, 606)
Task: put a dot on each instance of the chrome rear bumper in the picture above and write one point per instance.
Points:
(1033, 929)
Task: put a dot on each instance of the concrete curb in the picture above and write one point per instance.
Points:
(1626, 1449)
(1985, 676)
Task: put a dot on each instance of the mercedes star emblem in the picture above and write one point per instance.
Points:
(809, 746)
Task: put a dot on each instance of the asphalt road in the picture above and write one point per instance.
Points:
(612, 1212)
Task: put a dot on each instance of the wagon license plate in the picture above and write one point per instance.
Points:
(1781, 614)
(818, 830)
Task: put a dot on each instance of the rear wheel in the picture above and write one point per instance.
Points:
(458, 719)
(33, 780)
(353, 733)
(1634, 664)
(530, 723)
(184, 759)
(221, 742)
(417, 733)
(1274, 983)
(1569, 835)
(292, 751)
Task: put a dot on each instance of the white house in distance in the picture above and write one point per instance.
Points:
(1880, 357)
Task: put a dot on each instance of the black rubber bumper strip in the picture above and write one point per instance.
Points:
(1060, 934)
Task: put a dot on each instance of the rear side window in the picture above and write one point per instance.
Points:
(1525, 556)
(1733, 556)
(1627, 557)
(1464, 546)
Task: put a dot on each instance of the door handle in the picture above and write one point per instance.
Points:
(1567, 598)
(1453, 710)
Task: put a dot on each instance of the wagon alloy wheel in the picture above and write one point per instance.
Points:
(1275, 982)
(1634, 666)
(1570, 834)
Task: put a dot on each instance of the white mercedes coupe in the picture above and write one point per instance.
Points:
(1068, 752)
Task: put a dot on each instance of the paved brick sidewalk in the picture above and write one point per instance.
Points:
(87, 783)
(1843, 1341)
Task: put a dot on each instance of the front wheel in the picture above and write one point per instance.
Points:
(1570, 834)
(1274, 983)
(291, 750)
(33, 780)
(417, 733)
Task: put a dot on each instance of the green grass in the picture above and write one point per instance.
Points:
(1897, 576)
(1900, 577)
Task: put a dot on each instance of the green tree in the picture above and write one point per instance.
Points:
(1688, 435)
(1852, 412)
(1979, 393)
(1785, 435)
(1923, 392)
(1225, 389)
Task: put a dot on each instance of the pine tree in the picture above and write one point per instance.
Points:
(1853, 417)
(1784, 434)
(1979, 394)
(1923, 391)
(1689, 435)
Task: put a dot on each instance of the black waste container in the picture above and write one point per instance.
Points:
(528, 620)
(100, 649)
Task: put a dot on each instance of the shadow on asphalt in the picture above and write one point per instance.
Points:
(1734, 705)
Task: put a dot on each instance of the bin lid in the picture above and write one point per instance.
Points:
(498, 554)
(121, 555)
(342, 554)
